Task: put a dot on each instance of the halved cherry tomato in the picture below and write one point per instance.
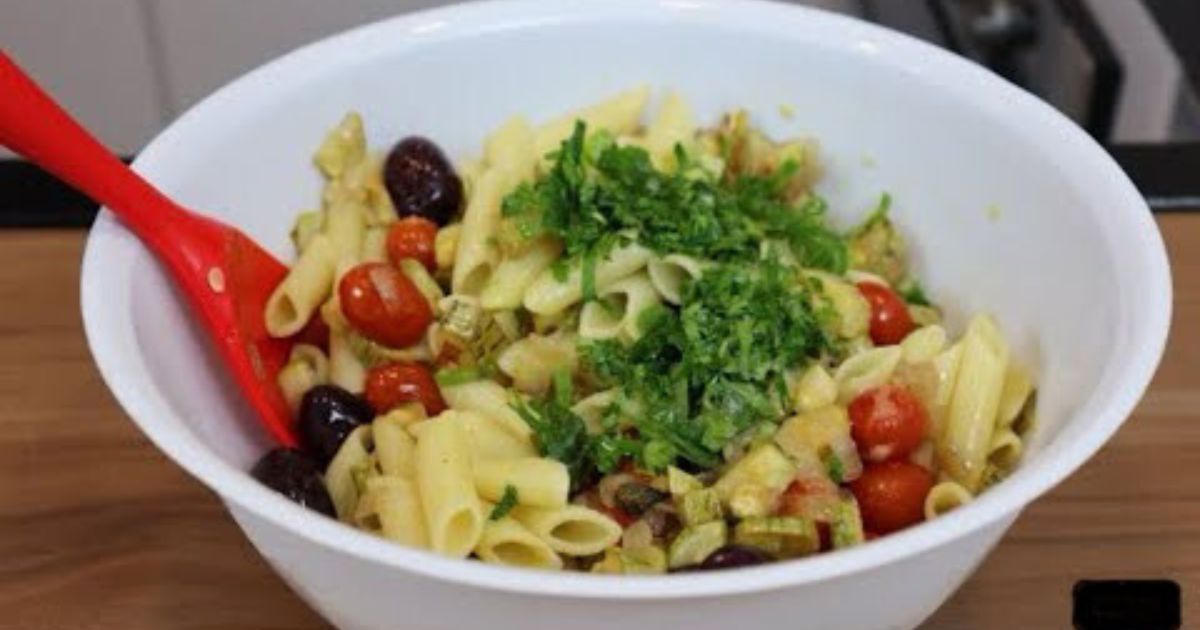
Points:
(314, 333)
(413, 237)
(891, 495)
(393, 384)
(890, 321)
(887, 422)
(384, 305)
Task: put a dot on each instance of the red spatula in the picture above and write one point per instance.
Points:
(226, 276)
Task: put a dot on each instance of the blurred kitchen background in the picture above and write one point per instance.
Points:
(128, 67)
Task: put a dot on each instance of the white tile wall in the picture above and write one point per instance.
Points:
(95, 60)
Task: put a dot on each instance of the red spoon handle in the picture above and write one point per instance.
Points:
(32, 124)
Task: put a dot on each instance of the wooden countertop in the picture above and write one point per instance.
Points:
(99, 530)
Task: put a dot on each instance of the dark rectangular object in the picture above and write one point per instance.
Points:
(31, 197)
(1127, 605)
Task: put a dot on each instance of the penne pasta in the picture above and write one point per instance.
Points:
(346, 369)
(548, 295)
(352, 460)
(446, 482)
(507, 285)
(618, 311)
(342, 147)
(865, 370)
(395, 506)
(531, 362)
(476, 255)
(374, 245)
(346, 226)
(539, 482)
(923, 344)
(966, 437)
(670, 274)
(395, 449)
(591, 409)
(618, 115)
(944, 497)
(510, 148)
(305, 287)
(1017, 387)
(491, 439)
(673, 125)
(507, 542)
(1005, 450)
(489, 399)
(306, 368)
(573, 530)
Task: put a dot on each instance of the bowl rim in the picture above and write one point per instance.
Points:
(1120, 387)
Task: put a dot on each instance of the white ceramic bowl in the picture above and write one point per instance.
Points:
(1010, 208)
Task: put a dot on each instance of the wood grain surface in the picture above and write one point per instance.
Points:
(99, 530)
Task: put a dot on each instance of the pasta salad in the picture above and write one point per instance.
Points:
(617, 347)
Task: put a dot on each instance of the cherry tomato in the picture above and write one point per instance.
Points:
(393, 384)
(413, 237)
(384, 305)
(314, 333)
(890, 321)
(891, 495)
(887, 422)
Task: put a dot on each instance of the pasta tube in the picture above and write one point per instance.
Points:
(508, 542)
(446, 482)
(573, 530)
(539, 482)
(962, 447)
(304, 288)
(547, 295)
(617, 313)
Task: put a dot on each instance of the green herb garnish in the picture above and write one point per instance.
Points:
(596, 189)
(507, 502)
(448, 377)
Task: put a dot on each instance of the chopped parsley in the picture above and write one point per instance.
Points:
(507, 502)
(597, 194)
(703, 375)
(837, 470)
(712, 368)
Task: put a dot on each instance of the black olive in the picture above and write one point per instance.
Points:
(664, 523)
(296, 476)
(635, 498)
(732, 556)
(328, 414)
(421, 181)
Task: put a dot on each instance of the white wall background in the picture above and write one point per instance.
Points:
(127, 67)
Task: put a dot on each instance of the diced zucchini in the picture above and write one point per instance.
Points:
(754, 483)
(853, 310)
(679, 482)
(611, 563)
(826, 432)
(640, 561)
(644, 560)
(781, 536)
(815, 389)
(699, 506)
(846, 528)
(694, 544)
(876, 246)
